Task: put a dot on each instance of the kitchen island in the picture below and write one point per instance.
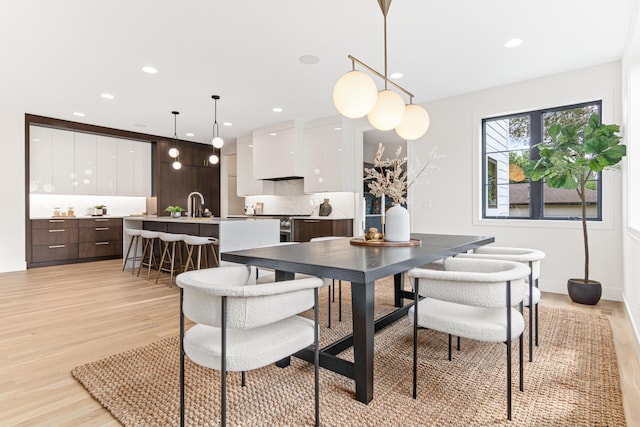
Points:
(233, 233)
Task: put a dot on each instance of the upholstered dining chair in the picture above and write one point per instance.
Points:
(241, 326)
(530, 257)
(471, 298)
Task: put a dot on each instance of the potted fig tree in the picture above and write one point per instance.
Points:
(575, 154)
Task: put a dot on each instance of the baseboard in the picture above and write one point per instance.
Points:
(635, 329)
(14, 266)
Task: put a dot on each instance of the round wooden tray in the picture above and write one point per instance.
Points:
(359, 241)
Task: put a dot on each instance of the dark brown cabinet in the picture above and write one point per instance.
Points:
(196, 174)
(306, 229)
(70, 240)
(100, 237)
(54, 240)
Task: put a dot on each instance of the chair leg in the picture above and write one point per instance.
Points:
(536, 316)
(508, 307)
(415, 340)
(151, 257)
(244, 379)
(521, 352)
(458, 343)
(449, 347)
(223, 363)
(164, 253)
(144, 253)
(530, 311)
(329, 304)
(181, 360)
(135, 254)
(316, 357)
(339, 300)
(126, 257)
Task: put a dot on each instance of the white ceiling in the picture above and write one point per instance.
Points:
(59, 56)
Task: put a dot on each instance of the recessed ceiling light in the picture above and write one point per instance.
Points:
(227, 124)
(337, 128)
(107, 95)
(309, 59)
(513, 43)
(149, 69)
(396, 76)
(273, 134)
(189, 134)
(78, 113)
(277, 110)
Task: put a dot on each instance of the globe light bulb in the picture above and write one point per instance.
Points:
(388, 112)
(213, 159)
(177, 165)
(217, 142)
(355, 94)
(414, 123)
(173, 152)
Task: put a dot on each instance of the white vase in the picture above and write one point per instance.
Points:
(397, 224)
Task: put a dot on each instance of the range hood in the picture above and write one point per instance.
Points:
(278, 152)
(283, 178)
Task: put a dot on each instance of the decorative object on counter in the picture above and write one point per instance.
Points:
(355, 95)
(206, 213)
(389, 178)
(56, 211)
(99, 210)
(70, 211)
(259, 208)
(325, 208)
(174, 153)
(216, 142)
(248, 210)
(373, 235)
(175, 211)
(192, 211)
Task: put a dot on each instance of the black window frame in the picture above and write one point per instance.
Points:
(536, 189)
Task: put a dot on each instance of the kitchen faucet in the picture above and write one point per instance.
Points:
(190, 213)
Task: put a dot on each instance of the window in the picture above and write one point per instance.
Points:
(508, 143)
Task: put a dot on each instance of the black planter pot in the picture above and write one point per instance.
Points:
(584, 293)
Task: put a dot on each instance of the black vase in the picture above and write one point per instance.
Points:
(584, 293)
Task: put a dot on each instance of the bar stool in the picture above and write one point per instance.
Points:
(169, 239)
(200, 241)
(149, 238)
(134, 235)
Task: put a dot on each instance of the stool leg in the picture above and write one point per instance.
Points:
(200, 256)
(164, 252)
(126, 257)
(152, 256)
(215, 255)
(173, 260)
(135, 254)
(144, 253)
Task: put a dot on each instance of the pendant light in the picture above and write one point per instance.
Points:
(216, 142)
(355, 95)
(174, 153)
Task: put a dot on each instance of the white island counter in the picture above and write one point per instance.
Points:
(233, 233)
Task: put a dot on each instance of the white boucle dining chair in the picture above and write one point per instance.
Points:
(470, 298)
(240, 325)
(529, 257)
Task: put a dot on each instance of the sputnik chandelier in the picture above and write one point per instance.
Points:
(356, 95)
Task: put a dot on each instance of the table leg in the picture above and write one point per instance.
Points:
(362, 301)
(398, 287)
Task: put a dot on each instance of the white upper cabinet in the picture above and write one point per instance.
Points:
(64, 173)
(142, 169)
(67, 162)
(40, 160)
(328, 156)
(107, 166)
(247, 185)
(278, 151)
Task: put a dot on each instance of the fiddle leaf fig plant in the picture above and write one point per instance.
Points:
(571, 159)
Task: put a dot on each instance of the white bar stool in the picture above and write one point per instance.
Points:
(169, 239)
(134, 235)
(200, 241)
(149, 238)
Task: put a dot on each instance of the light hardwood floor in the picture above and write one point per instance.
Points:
(56, 318)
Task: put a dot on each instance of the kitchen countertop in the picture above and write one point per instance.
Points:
(315, 217)
(79, 217)
(183, 219)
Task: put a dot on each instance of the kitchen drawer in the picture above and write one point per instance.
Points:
(100, 249)
(100, 222)
(53, 224)
(54, 236)
(100, 233)
(57, 252)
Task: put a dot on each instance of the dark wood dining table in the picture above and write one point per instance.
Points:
(361, 265)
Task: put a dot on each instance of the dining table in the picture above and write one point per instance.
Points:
(360, 263)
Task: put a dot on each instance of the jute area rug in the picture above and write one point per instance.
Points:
(573, 381)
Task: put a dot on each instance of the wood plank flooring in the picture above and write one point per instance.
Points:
(56, 318)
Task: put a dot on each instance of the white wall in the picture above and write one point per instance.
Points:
(12, 177)
(449, 199)
(631, 188)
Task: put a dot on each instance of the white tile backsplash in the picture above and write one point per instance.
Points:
(290, 199)
(42, 205)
